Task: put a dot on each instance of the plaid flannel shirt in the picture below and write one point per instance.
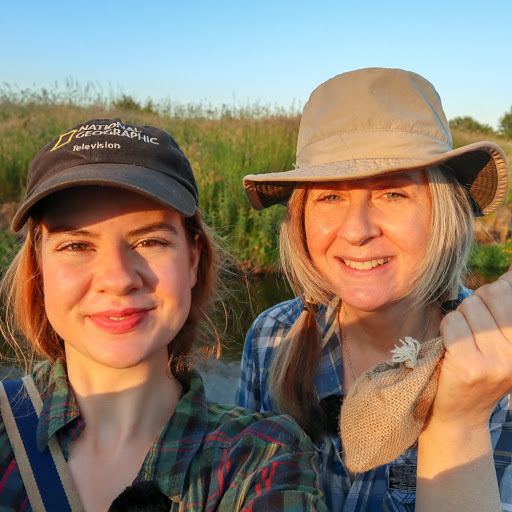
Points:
(208, 457)
(390, 487)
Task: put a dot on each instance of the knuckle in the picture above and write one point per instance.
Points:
(450, 320)
(471, 301)
(499, 288)
(497, 291)
(477, 374)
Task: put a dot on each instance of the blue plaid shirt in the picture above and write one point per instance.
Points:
(390, 487)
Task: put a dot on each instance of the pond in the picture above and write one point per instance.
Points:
(247, 302)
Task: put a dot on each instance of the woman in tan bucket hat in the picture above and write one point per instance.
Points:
(376, 235)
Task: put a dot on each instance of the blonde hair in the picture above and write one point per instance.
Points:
(29, 333)
(437, 279)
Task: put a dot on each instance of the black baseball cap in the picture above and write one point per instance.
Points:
(108, 152)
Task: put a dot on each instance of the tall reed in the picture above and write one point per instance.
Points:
(223, 144)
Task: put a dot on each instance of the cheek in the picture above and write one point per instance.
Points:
(320, 233)
(62, 284)
(175, 280)
(411, 232)
(63, 291)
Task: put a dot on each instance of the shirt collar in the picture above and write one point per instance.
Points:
(172, 452)
(59, 404)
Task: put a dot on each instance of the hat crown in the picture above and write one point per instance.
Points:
(108, 152)
(372, 114)
(111, 141)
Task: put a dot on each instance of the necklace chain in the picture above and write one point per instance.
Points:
(344, 339)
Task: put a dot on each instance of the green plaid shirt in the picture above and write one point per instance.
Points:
(208, 457)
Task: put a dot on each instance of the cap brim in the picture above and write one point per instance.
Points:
(481, 167)
(142, 180)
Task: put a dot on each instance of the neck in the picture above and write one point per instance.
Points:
(119, 404)
(370, 336)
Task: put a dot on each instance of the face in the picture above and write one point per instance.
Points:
(368, 236)
(118, 270)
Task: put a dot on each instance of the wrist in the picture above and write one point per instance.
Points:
(446, 445)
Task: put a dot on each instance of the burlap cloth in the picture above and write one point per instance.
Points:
(386, 407)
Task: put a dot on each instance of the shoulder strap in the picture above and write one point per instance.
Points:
(45, 474)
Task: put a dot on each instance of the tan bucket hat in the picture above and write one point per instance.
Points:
(377, 121)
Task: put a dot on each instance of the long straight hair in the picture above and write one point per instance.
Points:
(436, 279)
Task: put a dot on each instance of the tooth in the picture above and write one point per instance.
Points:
(366, 265)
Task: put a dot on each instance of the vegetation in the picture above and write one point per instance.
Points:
(505, 126)
(468, 124)
(490, 261)
(223, 144)
(8, 247)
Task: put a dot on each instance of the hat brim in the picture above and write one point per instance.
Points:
(481, 167)
(141, 180)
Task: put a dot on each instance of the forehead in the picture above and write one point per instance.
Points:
(402, 179)
(82, 206)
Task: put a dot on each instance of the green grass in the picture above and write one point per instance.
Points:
(490, 261)
(223, 144)
(8, 247)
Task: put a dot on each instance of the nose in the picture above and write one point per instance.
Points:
(118, 272)
(359, 223)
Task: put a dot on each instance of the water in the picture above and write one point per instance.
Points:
(248, 301)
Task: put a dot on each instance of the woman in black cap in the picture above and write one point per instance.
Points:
(109, 289)
(376, 235)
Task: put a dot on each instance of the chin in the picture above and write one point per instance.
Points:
(367, 302)
(123, 359)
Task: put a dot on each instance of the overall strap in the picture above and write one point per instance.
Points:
(45, 474)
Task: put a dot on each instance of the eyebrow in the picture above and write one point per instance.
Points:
(71, 231)
(157, 226)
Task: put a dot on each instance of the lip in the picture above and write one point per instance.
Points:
(119, 321)
(367, 264)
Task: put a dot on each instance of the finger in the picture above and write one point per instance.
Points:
(497, 297)
(456, 332)
(507, 276)
(485, 330)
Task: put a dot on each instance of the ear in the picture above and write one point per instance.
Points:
(195, 256)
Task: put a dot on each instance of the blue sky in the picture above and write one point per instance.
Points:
(271, 52)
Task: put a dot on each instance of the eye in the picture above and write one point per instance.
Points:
(329, 198)
(152, 242)
(74, 247)
(393, 195)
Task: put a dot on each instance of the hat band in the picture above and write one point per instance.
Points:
(382, 144)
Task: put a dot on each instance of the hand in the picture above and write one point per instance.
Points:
(477, 368)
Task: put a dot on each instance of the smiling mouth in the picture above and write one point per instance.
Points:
(366, 265)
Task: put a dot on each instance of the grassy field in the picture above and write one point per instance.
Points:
(222, 143)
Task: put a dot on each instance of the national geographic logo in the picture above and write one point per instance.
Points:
(64, 139)
(116, 129)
